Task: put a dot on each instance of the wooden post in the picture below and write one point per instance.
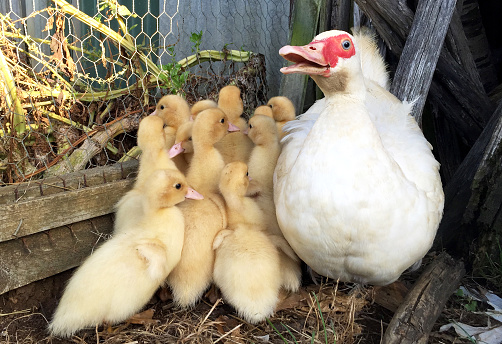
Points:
(423, 304)
(340, 15)
(459, 191)
(421, 52)
(466, 107)
(303, 28)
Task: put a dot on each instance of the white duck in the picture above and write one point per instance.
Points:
(357, 190)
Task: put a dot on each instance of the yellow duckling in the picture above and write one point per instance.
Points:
(119, 278)
(263, 133)
(203, 219)
(247, 265)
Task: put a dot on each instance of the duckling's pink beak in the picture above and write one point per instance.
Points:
(153, 113)
(232, 127)
(192, 194)
(176, 149)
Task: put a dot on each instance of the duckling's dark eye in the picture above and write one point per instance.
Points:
(250, 126)
(190, 138)
(346, 44)
(222, 120)
(270, 105)
(247, 174)
(162, 107)
(178, 186)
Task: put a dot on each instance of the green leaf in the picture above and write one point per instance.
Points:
(471, 306)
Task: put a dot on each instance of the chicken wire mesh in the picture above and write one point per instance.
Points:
(76, 77)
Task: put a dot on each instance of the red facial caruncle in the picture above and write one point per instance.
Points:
(335, 47)
(317, 57)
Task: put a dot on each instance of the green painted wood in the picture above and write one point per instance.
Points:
(304, 26)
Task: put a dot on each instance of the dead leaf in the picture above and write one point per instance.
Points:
(144, 318)
(50, 21)
(235, 336)
(59, 47)
(219, 324)
(213, 294)
(165, 294)
(296, 300)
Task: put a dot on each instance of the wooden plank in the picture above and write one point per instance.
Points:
(458, 191)
(46, 212)
(420, 309)
(72, 181)
(478, 43)
(447, 145)
(41, 255)
(421, 52)
(340, 15)
(458, 45)
(393, 41)
(455, 85)
(395, 12)
(303, 28)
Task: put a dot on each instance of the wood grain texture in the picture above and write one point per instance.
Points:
(447, 92)
(340, 15)
(459, 191)
(304, 23)
(41, 255)
(72, 181)
(423, 304)
(64, 208)
(421, 52)
(36, 206)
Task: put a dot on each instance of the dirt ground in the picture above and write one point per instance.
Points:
(344, 314)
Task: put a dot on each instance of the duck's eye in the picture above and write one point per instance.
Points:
(270, 105)
(178, 186)
(222, 120)
(162, 107)
(247, 174)
(250, 126)
(346, 44)
(190, 138)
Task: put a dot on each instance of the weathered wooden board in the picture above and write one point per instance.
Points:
(421, 52)
(468, 108)
(420, 309)
(340, 14)
(459, 191)
(478, 43)
(304, 24)
(35, 257)
(63, 208)
(72, 181)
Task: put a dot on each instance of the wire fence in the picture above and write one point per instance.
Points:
(76, 77)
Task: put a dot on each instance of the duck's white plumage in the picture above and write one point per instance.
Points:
(356, 187)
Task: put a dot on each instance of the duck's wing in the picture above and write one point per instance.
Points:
(404, 141)
(295, 133)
